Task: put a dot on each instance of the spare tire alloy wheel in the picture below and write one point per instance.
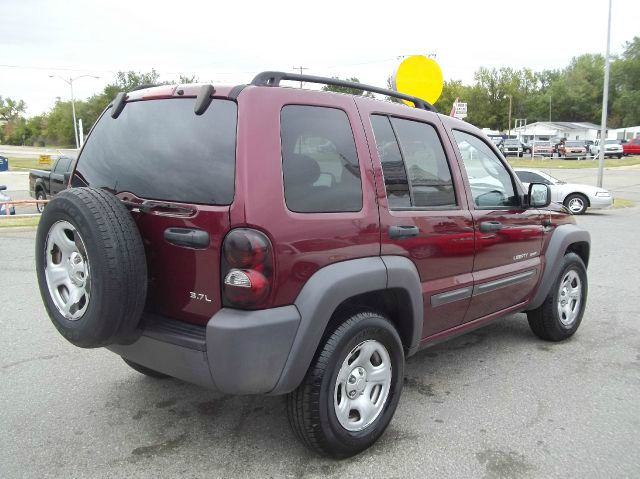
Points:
(67, 270)
(91, 268)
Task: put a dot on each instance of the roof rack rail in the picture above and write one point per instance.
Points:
(274, 79)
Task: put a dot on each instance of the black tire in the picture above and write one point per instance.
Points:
(40, 196)
(109, 243)
(311, 409)
(619, 157)
(579, 203)
(146, 371)
(546, 321)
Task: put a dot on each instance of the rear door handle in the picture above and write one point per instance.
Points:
(403, 231)
(490, 226)
(189, 237)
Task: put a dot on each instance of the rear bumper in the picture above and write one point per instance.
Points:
(237, 352)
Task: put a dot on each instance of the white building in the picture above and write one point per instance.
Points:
(624, 133)
(545, 130)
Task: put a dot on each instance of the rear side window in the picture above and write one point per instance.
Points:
(319, 160)
(160, 149)
(417, 173)
(63, 165)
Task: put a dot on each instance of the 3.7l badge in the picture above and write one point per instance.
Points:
(199, 296)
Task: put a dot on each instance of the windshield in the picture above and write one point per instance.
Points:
(574, 143)
(160, 149)
(542, 143)
(611, 142)
(511, 142)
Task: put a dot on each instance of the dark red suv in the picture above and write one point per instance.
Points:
(270, 240)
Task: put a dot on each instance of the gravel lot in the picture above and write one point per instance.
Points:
(495, 403)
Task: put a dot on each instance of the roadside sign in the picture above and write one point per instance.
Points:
(461, 110)
(44, 160)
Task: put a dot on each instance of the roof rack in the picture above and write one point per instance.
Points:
(274, 79)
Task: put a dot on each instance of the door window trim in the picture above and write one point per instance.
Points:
(472, 203)
(389, 116)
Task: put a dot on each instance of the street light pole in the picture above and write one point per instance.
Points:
(73, 103)
(605, 101)
(510, 100)
(73, 111)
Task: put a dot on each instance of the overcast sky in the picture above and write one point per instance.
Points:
(229, 42)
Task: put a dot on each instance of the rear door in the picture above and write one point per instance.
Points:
(508, 236)
(423, 216)
(176, 170)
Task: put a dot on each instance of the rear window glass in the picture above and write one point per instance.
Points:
(160, 149)
(319, 160)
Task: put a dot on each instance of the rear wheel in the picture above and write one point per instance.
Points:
(561, 313)
(40, 196)
(576, 203)
(352, 388)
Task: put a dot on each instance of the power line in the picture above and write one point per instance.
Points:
(300, 68)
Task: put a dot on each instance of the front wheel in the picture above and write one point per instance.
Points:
(352, 388)
(576, 203)
(561, 313)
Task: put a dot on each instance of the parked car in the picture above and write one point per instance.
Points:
(576, 197)
(611, 148)
(587, 146)
(543, 148)
(45, 184)
(526, 147)
(556, 142)
(6, 209)
(239, 257)
(496, 140)
(572, 149)
(511, 146)
(632, 147)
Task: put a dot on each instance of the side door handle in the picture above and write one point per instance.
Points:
(490, 226)
(403, 231)
(189, 237)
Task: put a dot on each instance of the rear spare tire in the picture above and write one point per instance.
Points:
(91, 267)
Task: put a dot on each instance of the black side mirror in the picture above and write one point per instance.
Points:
(3, 187)
(539, 195)
(67, 177)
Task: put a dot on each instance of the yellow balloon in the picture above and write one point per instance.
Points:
(419, 76)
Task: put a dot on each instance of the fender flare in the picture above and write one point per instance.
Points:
(328, 288)
(562, 237)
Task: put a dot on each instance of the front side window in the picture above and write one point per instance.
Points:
(319, 160)
(415, 167)
(491, 183)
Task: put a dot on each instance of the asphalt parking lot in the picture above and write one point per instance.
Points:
(496, 403)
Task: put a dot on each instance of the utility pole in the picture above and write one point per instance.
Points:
(300, 68)
(605, 101)
(549, 107)
(510, 100)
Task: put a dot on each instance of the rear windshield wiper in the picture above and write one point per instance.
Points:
(159, 207)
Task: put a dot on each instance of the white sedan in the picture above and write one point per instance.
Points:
(574, 196)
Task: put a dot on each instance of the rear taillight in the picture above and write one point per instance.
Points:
(247, 269)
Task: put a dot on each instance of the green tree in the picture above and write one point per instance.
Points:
(345, 89)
